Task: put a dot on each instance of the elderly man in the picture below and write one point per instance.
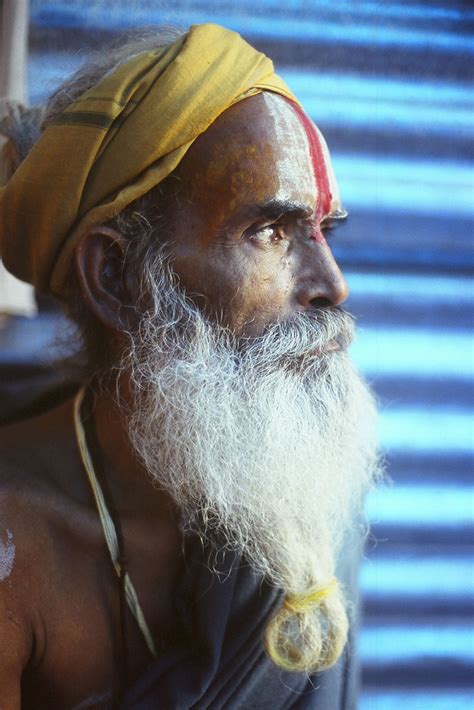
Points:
(169, 539)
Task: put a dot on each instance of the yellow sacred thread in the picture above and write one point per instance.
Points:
(108, 526)
(299, 604)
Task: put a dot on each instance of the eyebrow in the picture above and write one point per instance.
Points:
(338, 214)
(273, 209)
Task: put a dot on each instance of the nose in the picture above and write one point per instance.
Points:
(321, 282)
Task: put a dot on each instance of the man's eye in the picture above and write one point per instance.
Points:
(329, 226)
(270, 234)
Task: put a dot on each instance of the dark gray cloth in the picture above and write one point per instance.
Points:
(219, 661)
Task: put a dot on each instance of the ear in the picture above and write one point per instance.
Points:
(100, 265)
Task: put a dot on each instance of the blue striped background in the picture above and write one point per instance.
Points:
(390, 86)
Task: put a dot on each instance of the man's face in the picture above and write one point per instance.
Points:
(253, 202)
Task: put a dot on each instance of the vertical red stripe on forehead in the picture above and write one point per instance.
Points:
(324, 197)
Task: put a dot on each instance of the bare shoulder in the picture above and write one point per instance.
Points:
(36, 457)
(38, 485)
(16, 553)
(26, 487)
(35, 460)
(31, 452)
(19, 528)
(28, 460)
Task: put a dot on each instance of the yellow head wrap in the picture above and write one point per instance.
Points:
(117, 142)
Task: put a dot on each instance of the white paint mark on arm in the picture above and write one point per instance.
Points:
(7, 555)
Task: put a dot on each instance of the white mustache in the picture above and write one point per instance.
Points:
(303, 335)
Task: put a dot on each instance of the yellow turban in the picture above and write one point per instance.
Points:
(118, 141)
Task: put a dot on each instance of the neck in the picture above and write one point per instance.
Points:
(131, 487)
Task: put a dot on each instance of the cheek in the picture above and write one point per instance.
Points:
(216, 281)
(251, 292)
(265, 288)
(240, 286)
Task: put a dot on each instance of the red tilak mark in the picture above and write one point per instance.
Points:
(318, 237)
(324, 197)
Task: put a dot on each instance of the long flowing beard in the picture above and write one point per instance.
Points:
(268, 442)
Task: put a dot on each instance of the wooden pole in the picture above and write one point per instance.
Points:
(15, 296)
(14, 49)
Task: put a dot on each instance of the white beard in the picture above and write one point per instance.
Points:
(268, 441)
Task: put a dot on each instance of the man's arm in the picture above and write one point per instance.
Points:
(16, 640)
(12, 658)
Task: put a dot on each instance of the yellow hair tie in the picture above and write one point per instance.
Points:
(298, 604)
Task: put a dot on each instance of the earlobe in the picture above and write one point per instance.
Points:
(99, 262)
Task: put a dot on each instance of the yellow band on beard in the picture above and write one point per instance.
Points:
(300, 604)
(320, 650)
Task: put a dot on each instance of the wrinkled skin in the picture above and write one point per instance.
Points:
(59, 615)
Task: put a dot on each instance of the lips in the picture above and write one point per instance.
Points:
(329, 347)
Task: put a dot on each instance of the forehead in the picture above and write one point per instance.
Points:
(256, 152)
(292, 152)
